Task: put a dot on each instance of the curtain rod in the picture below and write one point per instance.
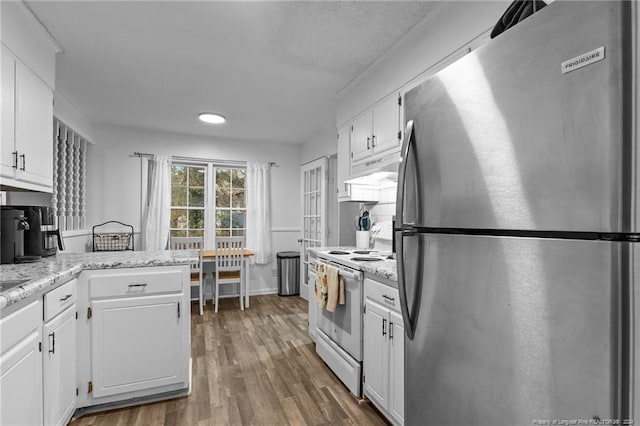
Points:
(203, 160)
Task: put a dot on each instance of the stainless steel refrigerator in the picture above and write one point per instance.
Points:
(517, 226)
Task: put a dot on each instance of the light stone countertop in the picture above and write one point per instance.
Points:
(48, 272)
(384, 269)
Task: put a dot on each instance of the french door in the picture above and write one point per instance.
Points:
(313, 183)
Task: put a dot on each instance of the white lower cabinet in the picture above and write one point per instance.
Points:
(59, 353)
(137, 343)
(135, 336)
(59, 368)
(21, 366)
(383, 361)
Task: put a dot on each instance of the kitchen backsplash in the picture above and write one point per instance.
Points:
(382, 213)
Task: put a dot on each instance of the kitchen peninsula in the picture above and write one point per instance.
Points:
(93, 331)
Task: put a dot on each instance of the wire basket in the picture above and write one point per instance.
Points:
(107, 236)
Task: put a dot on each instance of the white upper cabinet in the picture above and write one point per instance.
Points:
(27, 127)
(28, 76)
(344, 165)
(8, 156)
(376, 130)
(34, 128)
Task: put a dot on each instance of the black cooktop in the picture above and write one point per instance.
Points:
(365, 259)
(338, 252)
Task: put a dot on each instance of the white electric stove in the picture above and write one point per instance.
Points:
(339, 340)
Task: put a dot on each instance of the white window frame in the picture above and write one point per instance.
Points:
(209, 196)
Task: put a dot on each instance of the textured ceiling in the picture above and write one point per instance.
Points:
(272, 68)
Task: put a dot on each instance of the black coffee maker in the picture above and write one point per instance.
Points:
(42, 238)
(14, 224)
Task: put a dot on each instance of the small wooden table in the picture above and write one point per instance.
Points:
(209, 256)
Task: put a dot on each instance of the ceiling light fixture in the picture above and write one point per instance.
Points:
(211, 118)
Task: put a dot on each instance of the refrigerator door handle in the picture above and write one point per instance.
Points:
(409, 326)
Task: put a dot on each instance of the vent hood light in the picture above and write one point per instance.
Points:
(211, 118)
(377, 178)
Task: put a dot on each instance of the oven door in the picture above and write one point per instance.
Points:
(344, 326)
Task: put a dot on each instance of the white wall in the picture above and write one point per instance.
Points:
(114, 180)
(72, 117)
(323, 144)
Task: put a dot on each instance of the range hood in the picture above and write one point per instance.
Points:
(379, 172)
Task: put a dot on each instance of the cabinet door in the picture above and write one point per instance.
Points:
(21, 383)
(361, 136)
(396, 367)
(386, 124)
(59, 367)
(7, 127)
(34, 128)
(137, 343)
(376, 362)
(344, 160)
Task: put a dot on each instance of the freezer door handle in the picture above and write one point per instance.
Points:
(409, 138)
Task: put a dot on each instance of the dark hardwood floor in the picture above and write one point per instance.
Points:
(257, 367)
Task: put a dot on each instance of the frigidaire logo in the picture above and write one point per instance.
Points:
(583, 60)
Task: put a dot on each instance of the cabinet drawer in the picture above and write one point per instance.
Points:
(60, 299)
(19, 324)
(383, 294)
(136, 282)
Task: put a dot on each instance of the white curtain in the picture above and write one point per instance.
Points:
(158, 211)
(258, 186)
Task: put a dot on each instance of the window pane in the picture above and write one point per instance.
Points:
(223, 197)
(196, 219)
(237, 217)
(222, 233)
(178, 218)
(178, 175)
(196, 197)
(178, 196)
(238, 198)
(223, 178)
(176, 233)
(238, 232)
(237, 178)
(196, 176)
(196, 233)
(223, 219)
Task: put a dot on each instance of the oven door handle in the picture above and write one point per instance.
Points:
(355, 275)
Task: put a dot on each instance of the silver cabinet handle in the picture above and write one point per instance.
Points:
(64, 299)
(409, 138)
(368, 140)
(390, 299)
(384, 323)
(373, 141)
(15, 159)
(137, 285)
(24, 162)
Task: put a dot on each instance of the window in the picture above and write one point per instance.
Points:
(230, 202)
(187, 200)
(198, 211)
